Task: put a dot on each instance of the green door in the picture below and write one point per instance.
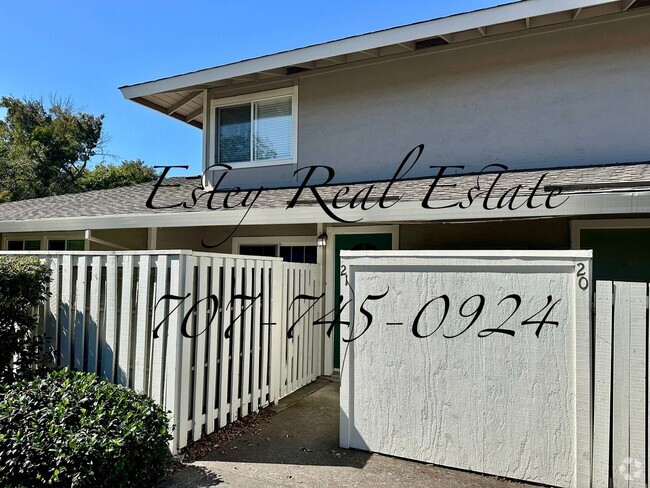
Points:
(619, 254)
(353, 242)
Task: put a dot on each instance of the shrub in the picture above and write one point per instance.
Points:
(75, 429)
(23, 285)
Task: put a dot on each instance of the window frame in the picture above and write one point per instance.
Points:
(44, 238)
(277, 241)
(251, 98)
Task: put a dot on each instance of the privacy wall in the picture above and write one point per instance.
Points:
(472, 360)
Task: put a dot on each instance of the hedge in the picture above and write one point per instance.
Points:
(72, 429)
(23, 286)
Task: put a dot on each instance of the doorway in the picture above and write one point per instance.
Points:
(353, 242)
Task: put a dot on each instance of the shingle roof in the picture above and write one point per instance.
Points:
(132, 200)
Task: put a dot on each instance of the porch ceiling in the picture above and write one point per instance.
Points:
(182, 96)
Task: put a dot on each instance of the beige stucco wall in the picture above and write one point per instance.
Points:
(521, 234)
(190, 238)
(129, 238)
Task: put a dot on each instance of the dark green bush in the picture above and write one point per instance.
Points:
(23, 286)
(75, 429)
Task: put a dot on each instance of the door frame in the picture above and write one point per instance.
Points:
(332, 232)
(612, 224)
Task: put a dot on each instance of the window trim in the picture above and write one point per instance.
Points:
(250, 98)
(76, 236)
(277, 241)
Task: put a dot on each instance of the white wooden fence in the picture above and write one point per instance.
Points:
(221, 350)
(621, 362)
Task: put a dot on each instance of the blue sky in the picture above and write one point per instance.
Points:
(86, 50)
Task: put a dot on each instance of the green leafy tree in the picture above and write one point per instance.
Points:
(45, 150)
(104, 176)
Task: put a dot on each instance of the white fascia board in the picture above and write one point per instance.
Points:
(474, 255)
(408, 33)
(623, 203)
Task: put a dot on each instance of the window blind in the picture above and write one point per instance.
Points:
(273, 134)
(234, 134)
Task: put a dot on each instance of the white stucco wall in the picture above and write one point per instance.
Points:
(514, 406)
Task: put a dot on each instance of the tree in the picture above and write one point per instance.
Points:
(44, 151)
(104, 176)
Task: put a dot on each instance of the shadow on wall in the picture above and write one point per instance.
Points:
(75, 345)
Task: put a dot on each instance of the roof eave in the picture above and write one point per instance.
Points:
(479, 19)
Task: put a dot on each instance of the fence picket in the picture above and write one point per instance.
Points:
(65, 343)
(173, 375)
(213, 347)
(123, 372)
(110, 332)
(160, 311)
(247, 326)
(79, 336)
(53, 309)
(142, 324)
(602, 383)
(621, 413)
(637, 365)
(185, 347)
(265, 324)
(235, 400)
(287, 384)
(277, 362)
(94, 322)
(201, 333)
(256, 317)
(224, 404)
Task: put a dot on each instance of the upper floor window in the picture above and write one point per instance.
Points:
(255, 129)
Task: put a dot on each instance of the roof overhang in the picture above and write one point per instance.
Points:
(182, 96)
(624, 203)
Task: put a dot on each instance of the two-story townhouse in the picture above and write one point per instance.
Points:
(523, 126)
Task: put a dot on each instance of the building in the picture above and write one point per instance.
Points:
(522, 126)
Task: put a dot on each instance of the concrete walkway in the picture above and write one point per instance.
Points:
(299, 447)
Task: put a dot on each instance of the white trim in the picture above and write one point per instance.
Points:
(398, 35)
(207, 121)
(43, 238)
(620, 203)
(330, 259)
(578, 225)
(18, 237)
(48, 238)
(211, 127)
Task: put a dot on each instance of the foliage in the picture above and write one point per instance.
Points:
(47, 151)
(23, 285)
(105, 176)
(44, 151)
(74, 429)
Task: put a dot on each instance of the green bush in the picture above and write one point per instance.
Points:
(75, 429)
(23, 286)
